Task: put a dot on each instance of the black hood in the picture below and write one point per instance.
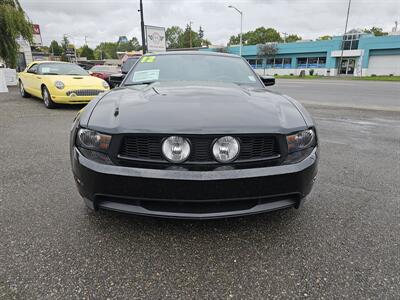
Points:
(195, 109)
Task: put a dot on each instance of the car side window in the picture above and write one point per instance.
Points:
(33, 69)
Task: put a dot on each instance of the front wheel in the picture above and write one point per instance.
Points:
(47, 99)
(22, 91)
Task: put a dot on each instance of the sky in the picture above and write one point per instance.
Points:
(106, 20)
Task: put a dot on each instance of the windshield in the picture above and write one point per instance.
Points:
(111, 69)
(192, 67)
(127, 65)
(61, 69)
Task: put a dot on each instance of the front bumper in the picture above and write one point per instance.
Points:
(193, 194)
(61, 98)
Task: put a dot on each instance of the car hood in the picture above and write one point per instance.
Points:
(76, 80)
(195, 109)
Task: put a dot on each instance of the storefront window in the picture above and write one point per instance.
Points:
(278, 63)
(350, 41)
(302, 62)
(287, 63)
(256, 63)
(321, 62)
(270, 63)
(312, 62)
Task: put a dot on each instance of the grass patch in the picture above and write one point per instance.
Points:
(297, 77)
(370, 78)
(378, 78)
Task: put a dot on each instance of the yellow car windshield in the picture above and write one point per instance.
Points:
(61, 69)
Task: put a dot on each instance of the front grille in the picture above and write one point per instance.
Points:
(84, 92)
(148, 148)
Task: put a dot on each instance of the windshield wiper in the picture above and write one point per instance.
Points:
(140, 83)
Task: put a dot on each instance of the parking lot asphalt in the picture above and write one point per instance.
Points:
(381, 95)
(343, 243)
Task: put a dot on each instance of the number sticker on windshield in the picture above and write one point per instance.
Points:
(147, 75)
(148, 59)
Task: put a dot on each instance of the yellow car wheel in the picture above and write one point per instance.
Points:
(47, 99)
(22, 91)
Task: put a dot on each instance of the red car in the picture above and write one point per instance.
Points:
(104, 72)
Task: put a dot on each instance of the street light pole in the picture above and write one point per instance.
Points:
(190, 34)
(345, 31)
(241, 27)
(142, 27)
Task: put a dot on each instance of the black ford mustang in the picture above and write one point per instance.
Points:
(193, 135)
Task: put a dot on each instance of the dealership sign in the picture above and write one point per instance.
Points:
(37, 37)
(70, 51)
(155, 39)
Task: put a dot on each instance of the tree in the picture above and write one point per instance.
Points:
(325, 38)
(178, 38)
(190, 38)
(55, 48)
(13, 24)
(267, 50)
(260, 35)
(64, 43)
(135, 44)
(206, 42)
(173, 37)
(86, 51)
(132, 45)
(201, 33)
(124, 47)
(293, 38)
(377, 31)
(106, 50)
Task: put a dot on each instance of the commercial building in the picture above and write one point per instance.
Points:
(361, 55)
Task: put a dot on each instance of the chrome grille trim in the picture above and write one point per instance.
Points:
(86, 92)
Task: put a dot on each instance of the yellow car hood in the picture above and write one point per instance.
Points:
(72, 81)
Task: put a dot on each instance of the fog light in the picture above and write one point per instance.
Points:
(226, 149)
(176, 149)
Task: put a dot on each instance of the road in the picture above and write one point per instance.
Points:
(343, 243)
(383, 95)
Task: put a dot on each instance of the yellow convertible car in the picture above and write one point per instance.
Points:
(59, 82)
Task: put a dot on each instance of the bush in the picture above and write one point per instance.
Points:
(291, 74)
(373, 75)
(311, 72)
(275, 74)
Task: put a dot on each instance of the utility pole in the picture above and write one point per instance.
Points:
(142, 27)
(86, 40)
(190, 34)
(345, 31)
(241, 27)
(284, 36)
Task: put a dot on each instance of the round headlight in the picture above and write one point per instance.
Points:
(176, 149)
(226, 149)
(59, 84)
(105, 85)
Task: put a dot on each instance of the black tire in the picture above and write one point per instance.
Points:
(22, 91)
(50, 104)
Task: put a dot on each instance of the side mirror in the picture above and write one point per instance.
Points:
(267, 80)
(32, 71)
